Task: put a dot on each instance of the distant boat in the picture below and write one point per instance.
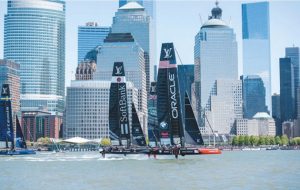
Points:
(7, 130)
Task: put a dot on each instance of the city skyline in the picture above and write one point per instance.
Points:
(281, 22)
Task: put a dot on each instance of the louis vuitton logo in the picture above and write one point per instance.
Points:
(4, 91)
(168, 54)
(118, 69)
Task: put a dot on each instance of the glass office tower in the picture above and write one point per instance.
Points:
(215, 54)
(287, 98)
(149, 5)
(254, 94)
(256, 43)
(89, 37)
(132, 18)
(34, 37)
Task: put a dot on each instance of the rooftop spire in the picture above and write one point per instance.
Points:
(216, 12)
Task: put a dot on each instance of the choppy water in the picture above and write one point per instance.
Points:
(88, 171)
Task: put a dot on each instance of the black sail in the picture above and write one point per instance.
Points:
(153, 129)
(20, 134)
(6, 124)
(118, 106)
(137, 132)
(192, 132)
(168, 99)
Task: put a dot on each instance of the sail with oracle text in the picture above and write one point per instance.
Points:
(168, 99)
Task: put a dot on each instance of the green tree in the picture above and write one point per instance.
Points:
(235, 141)
(241, 140)
(261, 140)
(278, 140)
(272, 140)
(298, 140)
(246, 140)
(267, 140)
(256, 140)
(251, 140)
(293, 142)
(284, 140)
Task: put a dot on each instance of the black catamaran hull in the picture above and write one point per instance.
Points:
(158, 153)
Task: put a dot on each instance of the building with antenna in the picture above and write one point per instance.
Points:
(215, 56)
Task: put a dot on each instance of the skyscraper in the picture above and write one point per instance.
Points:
(185, 79)
(149, 5)
(34, 37)
(287, 98)
(122, 47)
(254, 94)
(294, 53)
(90, 36)
(215, 55)
(132, 18)
(276, 113)
(256, 33)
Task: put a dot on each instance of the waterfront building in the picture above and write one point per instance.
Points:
(90, 36)
(256, 33)
(261, 125)
(10, 74)
(247, 127)
(37, 124)
(87, 108)
(215, 55)
(254, 94)
(122, 47)
(224, 107)
(34, 37)
(276, 113)
(186, 79)
(132, 18)
(85, 70)
(150, 6)
(287, 95)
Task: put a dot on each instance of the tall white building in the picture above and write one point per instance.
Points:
(215, 56)
(87, 108)
(224, 106)
(132, 18)
(122, 47)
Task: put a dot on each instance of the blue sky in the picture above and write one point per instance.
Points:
(179, 21)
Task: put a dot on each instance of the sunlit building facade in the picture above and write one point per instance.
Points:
(89, 37)
(87, 108)
(34, 37)
(122, 47)
(132, 18)
(215, 57)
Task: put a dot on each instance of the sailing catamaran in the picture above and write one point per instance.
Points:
(172, 132)
(120, 129)
(6, 127)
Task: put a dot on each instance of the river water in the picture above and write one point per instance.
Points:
(88, 171)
